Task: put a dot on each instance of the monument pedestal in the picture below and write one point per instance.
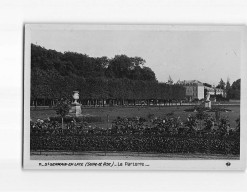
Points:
(207, 104)
(75, 110)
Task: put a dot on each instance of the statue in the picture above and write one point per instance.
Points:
(75, 106)
(207, 101)
(208, 96)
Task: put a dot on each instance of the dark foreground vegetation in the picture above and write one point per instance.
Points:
(197, 134)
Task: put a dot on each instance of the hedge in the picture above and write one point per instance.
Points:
(161, 144)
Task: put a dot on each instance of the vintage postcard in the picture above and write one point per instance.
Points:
(135, 97)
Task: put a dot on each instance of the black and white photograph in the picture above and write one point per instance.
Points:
(134, 97)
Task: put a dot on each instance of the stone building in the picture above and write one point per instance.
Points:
(214, 91)
(194, 89)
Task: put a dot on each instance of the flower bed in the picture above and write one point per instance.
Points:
(166, 135)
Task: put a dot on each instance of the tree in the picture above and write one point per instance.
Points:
(120, 66)
(207, 85)
(62, 108)
(205, 92)
(236, 84)
(234, 92)
(228, 88)
(148, 74)
(54, 75)
(221, 84)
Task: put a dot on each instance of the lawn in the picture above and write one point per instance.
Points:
(114, 112)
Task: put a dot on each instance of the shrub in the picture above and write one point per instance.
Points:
(62, 108)
(209, 123)
(154, 143)
(191, 124)
(224, 126)
(167, 135)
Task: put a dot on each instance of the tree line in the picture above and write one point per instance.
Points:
(232, 91)
(55, 75)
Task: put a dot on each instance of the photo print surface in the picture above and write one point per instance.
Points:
(141, 97)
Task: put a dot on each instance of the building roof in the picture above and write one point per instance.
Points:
(190, 82)
(198, 83)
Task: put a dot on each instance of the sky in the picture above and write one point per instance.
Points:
(206, 56)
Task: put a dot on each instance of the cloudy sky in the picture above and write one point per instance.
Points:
(185, 55)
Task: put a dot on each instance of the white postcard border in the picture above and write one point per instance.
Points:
(148, 164)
